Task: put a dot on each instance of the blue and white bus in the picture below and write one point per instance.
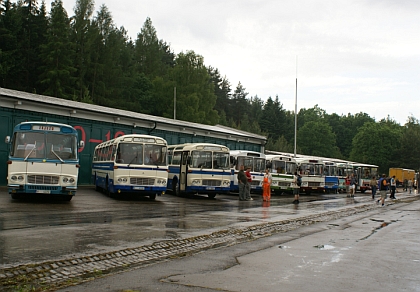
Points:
(255, 160)
(199, 168)
(131, 164)
(331, 177)
(43, 160)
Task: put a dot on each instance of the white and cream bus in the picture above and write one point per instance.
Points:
(312, 173)
(199, 168)
(131, 164)
(43, 160)
(282, 169)
(255, 160)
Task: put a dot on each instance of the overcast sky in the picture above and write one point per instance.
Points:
(348, 56)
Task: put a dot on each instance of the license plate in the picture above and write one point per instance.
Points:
(314, 188)
(138, 188)
(210, 188)
(43, 191)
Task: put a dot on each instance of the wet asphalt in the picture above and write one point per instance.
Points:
(36, 231)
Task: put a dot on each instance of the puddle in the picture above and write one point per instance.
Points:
(324, 247)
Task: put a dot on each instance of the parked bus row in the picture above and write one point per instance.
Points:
(43, 159)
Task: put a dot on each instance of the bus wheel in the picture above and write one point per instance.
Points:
(152, 197)
(15, 196)
(211, 196)
(175, 189)
(67, 198)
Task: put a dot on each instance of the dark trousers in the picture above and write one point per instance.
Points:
(392, 192)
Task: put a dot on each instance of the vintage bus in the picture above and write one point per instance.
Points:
(312, 172)
(131, 164)
(43, 160)
(255, 160)
(331, 177)
(344, 169)
(282, 169)
(199, 168)
(364, 173)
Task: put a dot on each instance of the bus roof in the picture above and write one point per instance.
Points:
(247, 153)
(134, 138)
(199, 146)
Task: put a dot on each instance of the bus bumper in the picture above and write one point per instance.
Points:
(41, 189)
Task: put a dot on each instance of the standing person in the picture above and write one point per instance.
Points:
(373, 186)
(297, 182)
(242, 182)
(393, 187)
(383, 187)
(410, 184)
(248, 184)
(267, 185)
(347, 182)
(353, 183)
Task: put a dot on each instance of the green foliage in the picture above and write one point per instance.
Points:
(86, 58)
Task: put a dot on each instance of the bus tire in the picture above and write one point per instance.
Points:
(15, 196)
(152, 197)
(67, 198)
(211, 196)
(175, 188)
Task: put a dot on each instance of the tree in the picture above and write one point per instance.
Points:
(83, 45)
(316, 138)
(57, 53)
(376, 143)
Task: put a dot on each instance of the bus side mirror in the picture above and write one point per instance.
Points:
(81, 144)
(7, 140)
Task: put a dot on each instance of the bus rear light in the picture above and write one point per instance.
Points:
(77, 165)
(189, 171)
(9, 162)
(115, 167)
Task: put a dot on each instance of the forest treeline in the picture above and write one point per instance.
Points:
(87, 58)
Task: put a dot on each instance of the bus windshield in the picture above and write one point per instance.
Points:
(44, 146)
(311, 169)
(209, 159)
(259, 164)
(135, 153)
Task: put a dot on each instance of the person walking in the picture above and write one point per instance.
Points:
(267, 185)
(248, 184)
(410, 185)
(347, 182)
(353, 183)
(393, 185)
(383, 187)
(297, 182)
(373, 186)
(242, 182)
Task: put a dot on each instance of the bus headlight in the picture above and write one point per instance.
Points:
(65, 180)
(196, 182)
(161, 182)
(274, 183)
(20, 177)
(71, 180)
(226, 182)
(13, 177)
(122, 180)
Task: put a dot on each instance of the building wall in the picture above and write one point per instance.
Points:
(94, 132)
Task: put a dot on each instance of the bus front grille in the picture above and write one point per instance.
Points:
(313, 184)
(43, 179)
(212, 183)
(284, 184)
(44, 188)
(255, 183)
(142, 181)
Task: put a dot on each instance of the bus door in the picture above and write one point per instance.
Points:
(183, 171)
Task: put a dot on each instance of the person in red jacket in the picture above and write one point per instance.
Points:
(248, 185)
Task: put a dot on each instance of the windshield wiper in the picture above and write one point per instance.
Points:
(135, 157)
(30, 152)
(52, 150)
